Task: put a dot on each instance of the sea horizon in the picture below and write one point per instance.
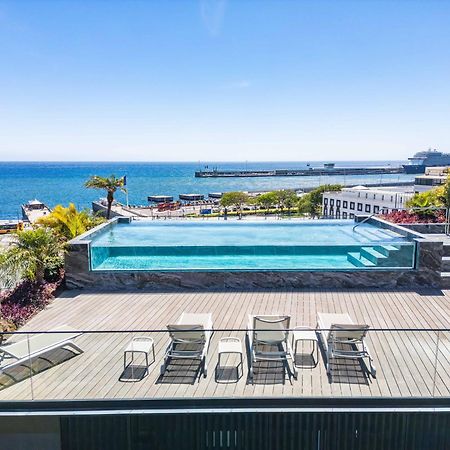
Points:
(209, 161)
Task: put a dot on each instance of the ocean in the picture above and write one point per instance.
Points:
(63, 182)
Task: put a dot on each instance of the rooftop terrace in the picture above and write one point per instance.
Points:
(409, 363)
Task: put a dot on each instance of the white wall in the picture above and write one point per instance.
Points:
(350, 202)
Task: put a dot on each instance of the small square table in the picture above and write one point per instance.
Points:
(302, 333)
(231, 345)
(139, 344)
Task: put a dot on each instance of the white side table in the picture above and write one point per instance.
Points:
(139, 344)
(302, 333)
(231, 345)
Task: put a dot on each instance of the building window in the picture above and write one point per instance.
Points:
(382, 197)
(376, 209)
(367, 194)
(332, 201)
(345, 204)
(325, 201)
(338, 203)
(385, 210)
(352, 205)
(352, 216)
(429, 181)
(374, 196)
(392, 198)
(368, 208)
(344, 215)
(360, 206)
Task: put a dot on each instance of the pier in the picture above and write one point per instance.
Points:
(309, 172)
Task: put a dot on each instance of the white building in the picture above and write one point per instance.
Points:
(361, 200)
(433, 177)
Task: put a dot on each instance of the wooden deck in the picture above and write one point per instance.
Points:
(405, 361)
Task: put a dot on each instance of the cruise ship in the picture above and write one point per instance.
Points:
(428, 158)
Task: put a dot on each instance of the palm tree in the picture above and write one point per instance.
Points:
(68, 222)
(31, 253)
(110, 184)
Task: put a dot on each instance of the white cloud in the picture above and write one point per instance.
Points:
(212, 13)
(240, 84)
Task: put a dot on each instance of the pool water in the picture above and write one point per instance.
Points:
(248, 245)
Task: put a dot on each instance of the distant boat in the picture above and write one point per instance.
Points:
(191, 197)
(34, 210)
(428, 158)
(160, 198)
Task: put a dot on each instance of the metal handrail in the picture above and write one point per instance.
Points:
(362, 221)
(215, 330)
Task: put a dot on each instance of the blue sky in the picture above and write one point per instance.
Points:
(223, 80)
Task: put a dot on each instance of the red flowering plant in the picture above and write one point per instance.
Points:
(424, 207)
(27, 298)
(409, 216)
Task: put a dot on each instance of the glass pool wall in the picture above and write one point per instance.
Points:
(263, 246)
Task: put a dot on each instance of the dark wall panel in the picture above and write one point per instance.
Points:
(258, 431)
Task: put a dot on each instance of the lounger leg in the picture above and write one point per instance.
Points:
(75, 346)
(292, 356)
(163, 367)
(315, 349)
(373, 370)
(328, 361)
(205, 368)
(250, 370)
(371, 367)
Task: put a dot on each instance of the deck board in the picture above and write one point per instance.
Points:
(405, 361)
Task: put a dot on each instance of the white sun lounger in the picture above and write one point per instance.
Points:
(270, 331)
(342, 331)
(190, 338)
(23, 351)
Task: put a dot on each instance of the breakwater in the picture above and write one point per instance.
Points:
(310, 172)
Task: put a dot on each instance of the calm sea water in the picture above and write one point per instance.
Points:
(55, 182)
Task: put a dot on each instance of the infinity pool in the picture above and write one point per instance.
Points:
(248, 246)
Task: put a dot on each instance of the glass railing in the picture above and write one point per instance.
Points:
(70, 364)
